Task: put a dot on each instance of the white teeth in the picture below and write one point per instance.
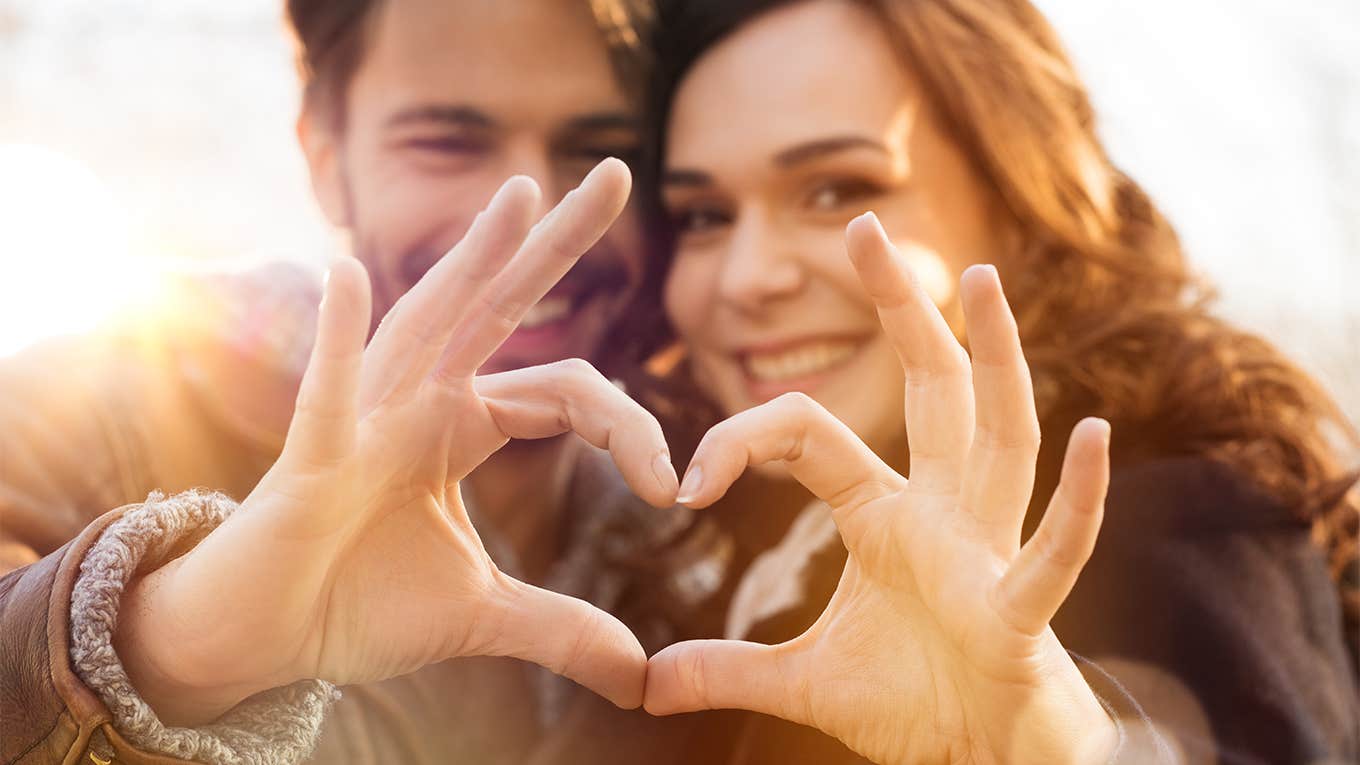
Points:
(803, 361)
(546, 311)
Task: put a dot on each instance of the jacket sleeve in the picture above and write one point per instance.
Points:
(1211, 605)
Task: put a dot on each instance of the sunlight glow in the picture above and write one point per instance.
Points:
(63, 248)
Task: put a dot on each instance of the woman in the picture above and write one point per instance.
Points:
(963, 126)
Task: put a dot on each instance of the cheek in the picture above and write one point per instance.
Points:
(688, 296)
(625, 239)
(400, 216)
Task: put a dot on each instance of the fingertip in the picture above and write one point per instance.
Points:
(346, 289)
(344, 270)
(616, 167)
(614, 175)
(658, 697)
(667, 482)
(631, 694)
(866, 221)
(1086, 466)
(692, 489)
(1093, 430)
(978, 280)
(861, 234)
(520, 188)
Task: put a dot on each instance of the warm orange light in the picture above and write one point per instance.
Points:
(64, 260)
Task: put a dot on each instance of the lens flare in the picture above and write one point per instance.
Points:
(64, 259)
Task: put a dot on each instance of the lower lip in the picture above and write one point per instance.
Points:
(761, 391)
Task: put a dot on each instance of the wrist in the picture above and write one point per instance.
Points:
(184, 691)
(1096, 739)
(1064, 723)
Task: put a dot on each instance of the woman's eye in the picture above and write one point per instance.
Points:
(835, 195)
(698, 220)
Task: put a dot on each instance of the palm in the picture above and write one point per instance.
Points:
(382, 616)
(956, 638)
(935, 646)
(382, 613)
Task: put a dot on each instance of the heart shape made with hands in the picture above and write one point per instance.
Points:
(354, 559)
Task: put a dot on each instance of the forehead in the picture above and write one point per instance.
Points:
(799, 73)
(520, 60)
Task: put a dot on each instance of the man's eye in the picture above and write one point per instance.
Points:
(699, 220)
(452, 145)
(832, 196)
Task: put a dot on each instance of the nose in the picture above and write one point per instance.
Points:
(761, 264)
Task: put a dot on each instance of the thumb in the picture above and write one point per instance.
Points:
(571, 638)
(724, 674)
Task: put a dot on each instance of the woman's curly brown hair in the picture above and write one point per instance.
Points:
(1113, 321)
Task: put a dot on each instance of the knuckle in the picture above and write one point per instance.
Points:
(315, 405)
(578, 368)
(690, 668)
(591, 628)
(1058, 552)
(499, 308)
(799, 405)
(561, 247)
(1026, 438)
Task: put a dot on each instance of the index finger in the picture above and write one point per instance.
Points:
(820, 452)
(551, 249)
(939, 390)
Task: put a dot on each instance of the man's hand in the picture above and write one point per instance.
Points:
(935, 646)
(354, 560)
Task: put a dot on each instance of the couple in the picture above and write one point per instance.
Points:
(906, 621)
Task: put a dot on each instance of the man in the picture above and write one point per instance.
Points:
(415, 111)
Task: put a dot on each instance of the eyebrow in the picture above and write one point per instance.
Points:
(589, 123)
(458, 115)
(694, 178)
(795, 155)
(447, 114)
(814, 149)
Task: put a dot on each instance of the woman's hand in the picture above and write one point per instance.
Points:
(354, 560)
(935, 646)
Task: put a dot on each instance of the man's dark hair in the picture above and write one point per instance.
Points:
(332, 34)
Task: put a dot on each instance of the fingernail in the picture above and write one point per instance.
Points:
(1106, 431)
(694, 481)
(868, 216)
(665, 473)
(984, 268)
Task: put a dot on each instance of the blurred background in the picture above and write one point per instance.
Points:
(143, 135)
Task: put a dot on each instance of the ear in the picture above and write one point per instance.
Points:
(321, 145)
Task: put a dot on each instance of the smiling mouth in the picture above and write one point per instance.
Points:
(801, 362)
(552, 309)
(587, 282)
